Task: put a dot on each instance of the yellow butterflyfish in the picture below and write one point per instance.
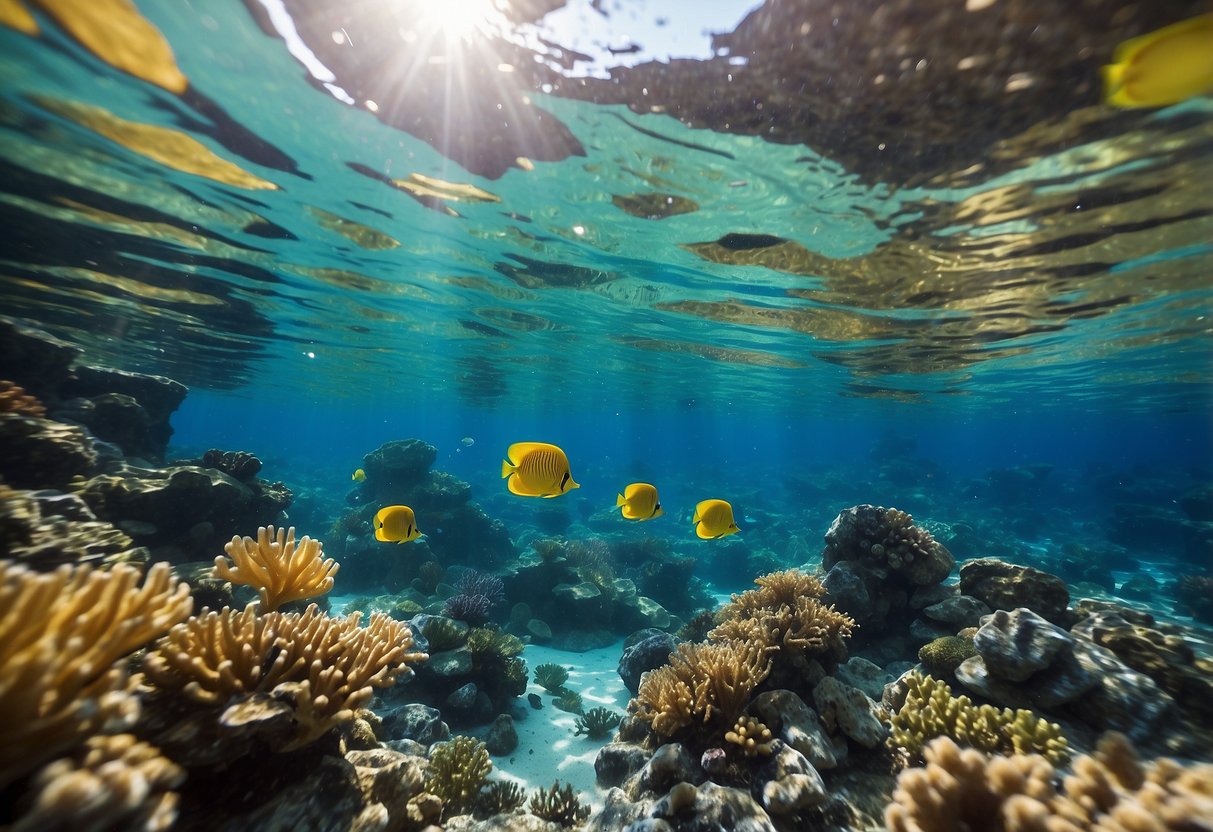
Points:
(396, 524)
(639, 502)
(537, 469)
(358, 476)
(714, 519)
(1164, 67)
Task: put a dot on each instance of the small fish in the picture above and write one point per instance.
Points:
(396, 524)
(639, 502)
(537, 469)
(467, 441)
(714, 519)
(1164, 67)
(358, 476)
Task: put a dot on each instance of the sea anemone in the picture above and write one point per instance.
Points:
(477, 594)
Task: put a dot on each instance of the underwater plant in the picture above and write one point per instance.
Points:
(280, 569)
(559, 804)
(551, 676)
(457, 770)
(568, 700)
(476, 595)
(501, 797)
(596, 723)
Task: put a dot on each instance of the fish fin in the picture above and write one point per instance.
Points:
(520, 449)
(620, 501)
(516, 488)
(550, 496)
(702, 533)
(658, 511)
(569, 485)
(507, 468)
(381, 535)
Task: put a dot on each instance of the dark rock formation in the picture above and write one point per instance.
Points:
(1005, 586)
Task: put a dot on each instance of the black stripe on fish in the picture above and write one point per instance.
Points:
(656, 508)
(564, 479)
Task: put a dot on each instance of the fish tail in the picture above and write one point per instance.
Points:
(507, 468)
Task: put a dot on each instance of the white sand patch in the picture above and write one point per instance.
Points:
(547, 749)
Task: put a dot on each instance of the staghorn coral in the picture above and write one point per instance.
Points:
(62, 635)
(112, 783)
(931, 711)
(551, 676)
(14, 399)
(559, 804)
(596, 723)
(458, 768)
(500, 797)
(702, 683)
(785, 613)
(751, 736)
(278, 568)
(1110, 791)
(328, 667)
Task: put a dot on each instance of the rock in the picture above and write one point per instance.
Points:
(159, 396)
(449, 664)
(44, 529)
(794, 722)
(407, 746)
(398, 464)
(535, 700)
(41, 453)
(577, 593)
(1124, 700)
(887, 540)
(670, 764)
(620, 813)
(849, 711)
(539, 631)
(1019, 643)
(791, 782)
(957, 611)
(867, 676)
(648, 653)
(1141, 586)
(925, 596)
(239, 465)
(1005, 586)
(464, 697)
(417, 722)
(502, 736)
(847, 590)
(37, 361)
(617, 761)
(653, 614)
(1065, 680)
(710, 807)
(389, 778)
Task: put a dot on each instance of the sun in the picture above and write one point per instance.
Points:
(462, 20)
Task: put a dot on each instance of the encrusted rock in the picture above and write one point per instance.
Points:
(849, 711)
(791, 782)
(710, 807)
(617, 761)
(415, 722)
(463, 697)
(646, 654)
(449, 664)
(42, 453)
(389, 778)
(1016, 644)
(502, 736)
(400, 463)
(670, 764)
(887, 539)
(860, 673)
(958, 611)
(1005, 586)
(794, 722)
(43, 529)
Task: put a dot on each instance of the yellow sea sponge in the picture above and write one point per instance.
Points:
(280, 569)
(931, 711)
(62, 636)
(328, 666)
(702, 682)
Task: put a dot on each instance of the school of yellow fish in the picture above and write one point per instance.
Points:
(539, 469)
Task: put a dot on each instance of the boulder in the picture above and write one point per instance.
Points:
(849, 711)
(1005, 586)
(648, 653)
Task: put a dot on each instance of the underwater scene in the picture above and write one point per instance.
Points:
(647, 415)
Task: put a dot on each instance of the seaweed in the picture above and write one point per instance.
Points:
(551, 676)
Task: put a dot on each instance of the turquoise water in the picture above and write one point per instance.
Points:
(886, 254)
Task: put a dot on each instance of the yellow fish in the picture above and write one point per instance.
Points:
(714, 519)
(396, 524)
(358, 476)
(639, 501)
(537, 469)
(1163, 67)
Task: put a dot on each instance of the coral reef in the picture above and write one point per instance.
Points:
(238, 464)
(596, 723)
(704, 684)
(325, 668)
(929, 710)
(551, 676)
(500, 797)
(62, 636)
(45, 529)
(457, 770)
(280, 569)
(559, 804)
(111, 783)
(14, 399)
(963, 789)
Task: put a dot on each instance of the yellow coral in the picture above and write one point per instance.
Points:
(1110, 791)
(278, 568)
(931, 711)
(62, 635)
(115, 782)
(701, 681)
(327, 666)
(751, 736)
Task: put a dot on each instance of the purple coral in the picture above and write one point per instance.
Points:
(478, 594)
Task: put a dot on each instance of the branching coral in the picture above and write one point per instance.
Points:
(751, 736)
(785, 613)
(278, 568)
(551, 676)
(14, 399)
(327, 666)
(702, 683)
(458, 768)
(596, 723)
(500, 797)
(114, 783)
(559, 804)
(1111, 791)
(931, 711)
(61, 637)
